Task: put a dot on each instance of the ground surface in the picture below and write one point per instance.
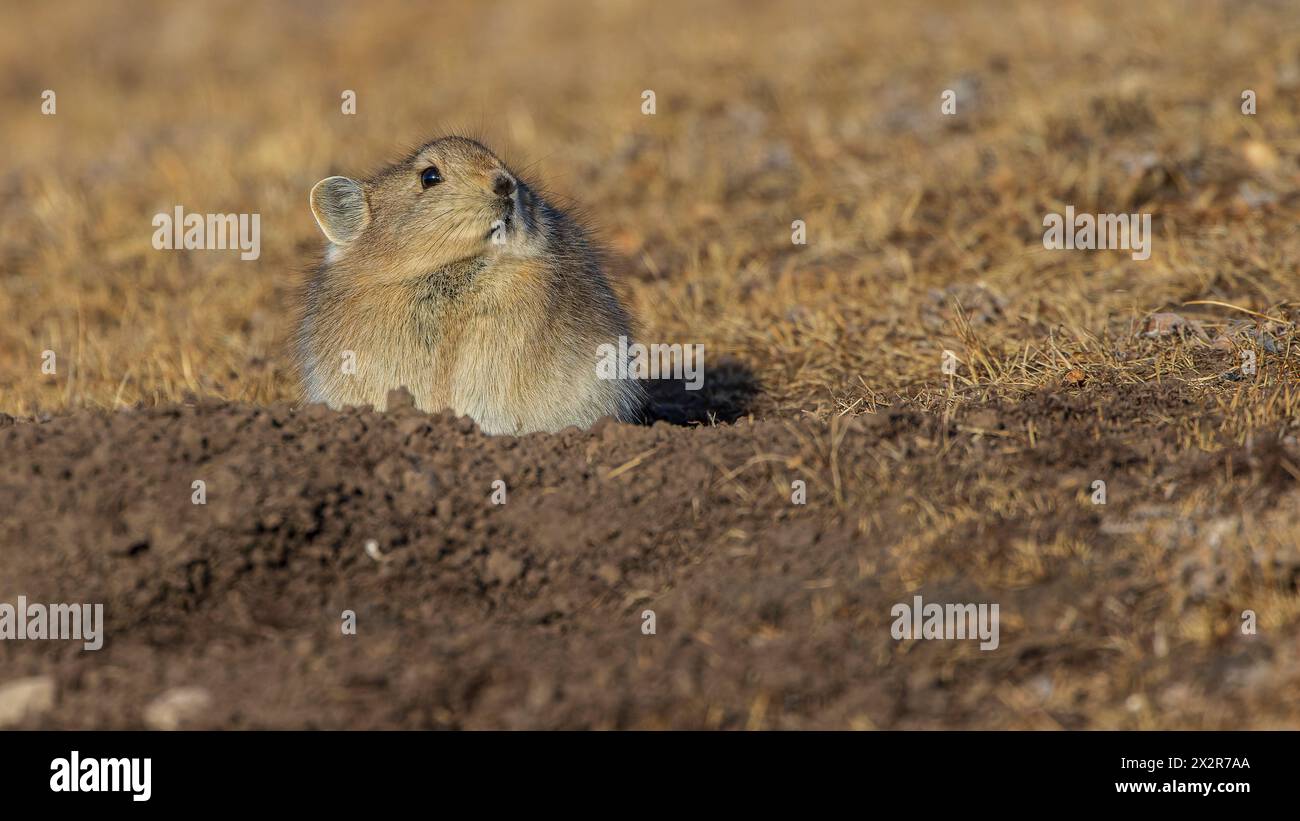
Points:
(823, 364)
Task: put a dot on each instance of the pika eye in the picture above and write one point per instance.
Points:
(430, 176)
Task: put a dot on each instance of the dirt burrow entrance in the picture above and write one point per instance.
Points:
(533, 612)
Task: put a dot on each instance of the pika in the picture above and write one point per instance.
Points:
(449, 275)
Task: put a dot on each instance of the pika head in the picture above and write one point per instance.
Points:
(450, 200)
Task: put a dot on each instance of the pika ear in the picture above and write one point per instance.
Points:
(339, 206)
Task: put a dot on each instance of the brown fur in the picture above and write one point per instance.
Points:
(508, 333)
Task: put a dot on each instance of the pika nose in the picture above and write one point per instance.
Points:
(503, 185)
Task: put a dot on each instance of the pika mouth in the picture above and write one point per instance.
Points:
(501, 227)
(512, 217)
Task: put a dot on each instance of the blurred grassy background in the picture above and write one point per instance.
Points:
(766, 113)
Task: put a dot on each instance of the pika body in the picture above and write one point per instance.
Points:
(449, 275)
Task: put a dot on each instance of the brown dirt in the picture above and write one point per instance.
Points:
(769, 614)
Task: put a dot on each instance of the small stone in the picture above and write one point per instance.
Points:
(1167, 324)
(609, 574)
(503, 568)
(1259, 155)
(25, 698)
(176, 707)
